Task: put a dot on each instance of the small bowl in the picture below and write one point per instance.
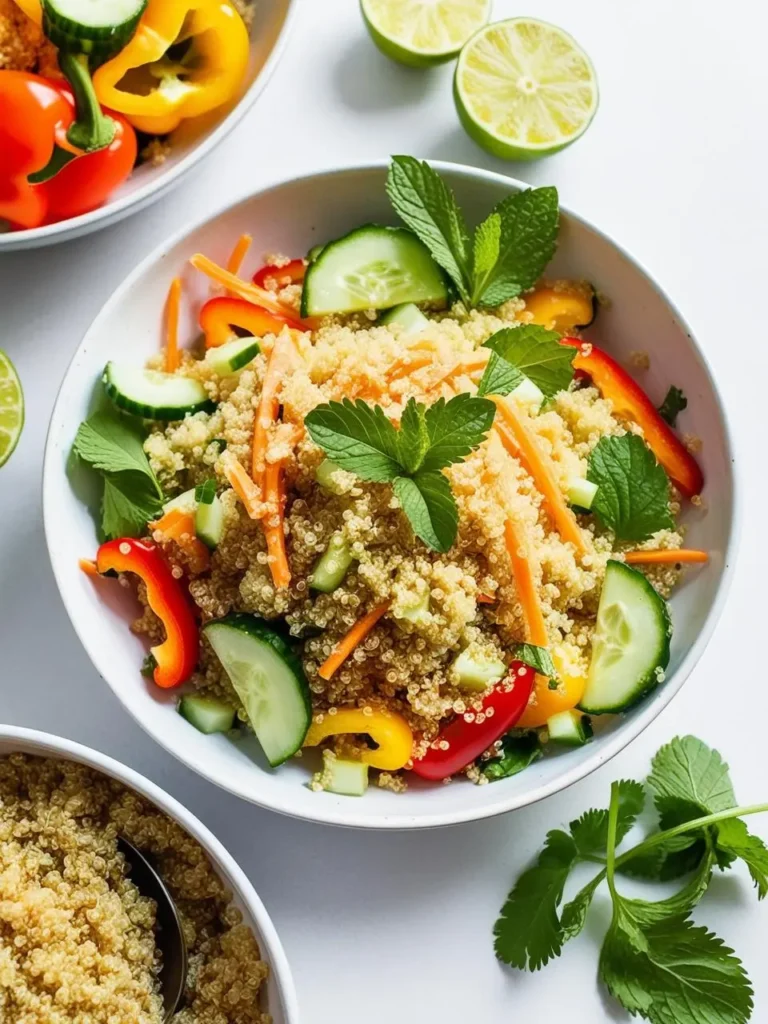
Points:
(193, 140)
(290, 218)
(280, 998)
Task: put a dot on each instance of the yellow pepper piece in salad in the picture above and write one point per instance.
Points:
(387, 729)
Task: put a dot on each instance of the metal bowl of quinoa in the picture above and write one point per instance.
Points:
(77, 937)
(639, 324)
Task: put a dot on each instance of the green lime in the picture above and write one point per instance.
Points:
(11, 408)
(420, 33)
(524, 89)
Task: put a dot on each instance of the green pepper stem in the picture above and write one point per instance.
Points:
(92, 130)
(59, 159)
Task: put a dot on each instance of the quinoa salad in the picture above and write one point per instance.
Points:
(397, 510)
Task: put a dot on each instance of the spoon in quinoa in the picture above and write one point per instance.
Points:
(170, 934)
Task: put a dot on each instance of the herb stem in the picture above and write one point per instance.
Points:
(613, 821)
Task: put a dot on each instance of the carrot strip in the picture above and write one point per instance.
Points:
(246, 290)
(526, 585)
(539, 466)
(173, 303)
(236, 257)
(665, 557)
(274, 499)
(279, 361)
(175, 523)
(242, 485)
(349, 641)
(485, 599)
(88, 566)
(406, 365)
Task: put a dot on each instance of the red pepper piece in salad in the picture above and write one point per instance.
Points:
(177, 655)
(289, 273)
(219, 315)
(630, 402)
(461, 741)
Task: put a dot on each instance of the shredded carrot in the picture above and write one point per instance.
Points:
(280, 359)
(246, 290)
(349, 642)
(485, 599)
(172, 326)
(539, 466)
(238, 254)
(665, 557)
(526, 585)
(175, 523)
(406, 365)
(242, 485)
(88, 566)
(274, 499)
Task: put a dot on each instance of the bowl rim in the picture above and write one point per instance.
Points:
(622, 737)
(269, 941)
(112, 212)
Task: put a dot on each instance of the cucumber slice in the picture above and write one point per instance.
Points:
(154, 395)
(185, 502)
(209, 522)
(527, 393)
(581, 492)
(207, 714)
(268, 679)
(372, 267)
(314, 252)
(324, 476)
(408, 316)
(630, 648)
(232, 355)
(332, 566)
(570, 728)
(85, 26)
(347, 778)
(474, 674)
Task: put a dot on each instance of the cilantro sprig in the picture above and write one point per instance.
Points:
(654, 960)
(509, 250)
(360, 439)
(674, 403)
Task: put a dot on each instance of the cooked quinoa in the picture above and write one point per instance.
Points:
(23, 47)
(77, 942)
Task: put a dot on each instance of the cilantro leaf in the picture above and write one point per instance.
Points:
(528, 933)
(527, 351)
(528, 238)
(358, 437)
(412, 437)
(537, 658)
(455, 428)
(645, 912)
(633, 496)
(674, 403)
(574, 913)
(687, 770)
(590, 831)
(206, 492)
(425, 203)
(486, 252)
(108, 442)
(517, 753)
(735, 840)
(127, 505)
(428, 502)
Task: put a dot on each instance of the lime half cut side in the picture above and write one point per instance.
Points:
(420, 33)
(524, 89)
(11, 408)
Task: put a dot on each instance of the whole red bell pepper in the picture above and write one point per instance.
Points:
(461, 741)
(35, 114)
(630, 402)
(219, 315)
(292, 272)
(178, 654)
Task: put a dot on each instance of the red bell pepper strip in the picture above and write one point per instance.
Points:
(177, 655)
(630, 402)
(292, 273)
(467, 740)
(219, 315)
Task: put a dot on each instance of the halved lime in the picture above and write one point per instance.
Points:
(11, 408)
(420, 33)
(524, 89)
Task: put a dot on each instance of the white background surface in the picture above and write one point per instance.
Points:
(397, 927)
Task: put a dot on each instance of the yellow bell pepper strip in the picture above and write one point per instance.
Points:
(563, 307)
(205, 77)
(32, 9)
(550, 699)
(387, 729)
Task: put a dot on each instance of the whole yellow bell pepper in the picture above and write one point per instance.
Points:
(386, 728)
(155, 92)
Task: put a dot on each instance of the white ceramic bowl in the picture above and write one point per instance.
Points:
(280, 999)
(289, 218)
(192, 140)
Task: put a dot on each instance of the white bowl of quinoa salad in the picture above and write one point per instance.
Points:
(497, 612)
(80, 936)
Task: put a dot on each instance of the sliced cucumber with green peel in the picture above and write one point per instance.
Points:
(314, 252)
(154, 395)
(342, 776)
(207, 714)
(373, 267)
(332, 566)
(232, 355)
(100, 26)
(184, 502)
(527, 393)
(571, 728)
(209, 522)
(581, 492)
(269, 680)
(475, 674)
(630, 646)
(408, 317)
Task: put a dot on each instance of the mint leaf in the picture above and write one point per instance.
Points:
(413, 437)
(357, 437)
(206, 492)
(517, 753)
(734, 839)
(538, 658)
(527, 351)
(425, 203)
(673, 404)
(428, 502)
(108, 442)
(486, 253)
(633, 496)
(529, 226)
(686, 769)
(455, 428)
(590, 831)
(129, 502)
(528, 933)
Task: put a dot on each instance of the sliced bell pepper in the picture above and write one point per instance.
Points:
(219, 315)
(461, 741)
(155, 86)
(290, 273)
(387, 729)
(563, 307)
(177, 655)
(630, 402)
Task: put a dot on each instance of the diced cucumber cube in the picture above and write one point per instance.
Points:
(581, 492)
(473, 673)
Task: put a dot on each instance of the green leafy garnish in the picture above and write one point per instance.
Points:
(205, 492)
(633, 496)
(673, 404)
(511, 247)
(517, 753)
(527, 351)
(538, 658)
(360, 439)
(654, 961)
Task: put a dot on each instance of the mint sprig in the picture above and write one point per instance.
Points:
(526, 351)
(633, 490)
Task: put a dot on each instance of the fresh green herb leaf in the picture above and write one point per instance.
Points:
(674, 403)
(538, 658)
(413, 436)
(109, 443)
(428, 502)
(527, 351)
(633, 496)
(129, 502)
(735, 840)
(205, 492)
(148, 666)
(358, 437)
(455, 428)
(425, 203)
(574, 915)
(517, 753)
(590, 831)
(486, 252)
(687, 770)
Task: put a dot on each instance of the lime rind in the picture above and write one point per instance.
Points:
(11, 408)
(423, 33)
